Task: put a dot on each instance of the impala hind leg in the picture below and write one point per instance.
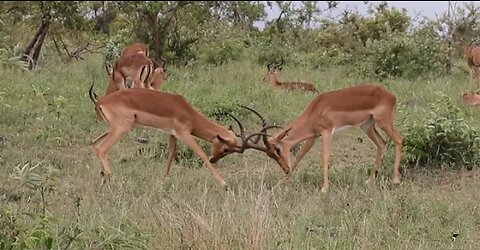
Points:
(192, 144)
(172, 149)
(327, 144)
(398, 140)
(373, 134)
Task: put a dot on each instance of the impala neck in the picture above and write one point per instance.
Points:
(274, 80)
(208, 130)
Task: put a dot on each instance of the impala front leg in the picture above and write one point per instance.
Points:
(102, 148)
(303, 150)
(192, 144)
(327, 143)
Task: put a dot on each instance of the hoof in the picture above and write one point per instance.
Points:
(324, 189)
(224, 185)
(105, 177)
(396, 180)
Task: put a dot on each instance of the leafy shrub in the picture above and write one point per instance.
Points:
(402, 55)
(222, 53)
(442, 139)
(114, 45)
(10, 57)
(220, 44)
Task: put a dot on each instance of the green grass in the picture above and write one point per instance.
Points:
(48, 119)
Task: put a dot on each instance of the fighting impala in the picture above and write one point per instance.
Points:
(273, 69)
(135, 48)
(365, 106)
(130, 49)
(140, 69)
(166, 112)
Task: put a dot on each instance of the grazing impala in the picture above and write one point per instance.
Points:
(273, 69)
(365, 106)
(165, 112)
(472, 55)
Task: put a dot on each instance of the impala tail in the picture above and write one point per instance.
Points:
(94, 98)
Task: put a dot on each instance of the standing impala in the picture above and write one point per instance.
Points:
(364, 106)
(273, 69)
(168, 113)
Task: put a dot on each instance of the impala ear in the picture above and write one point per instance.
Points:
(279, 68)
(282, 135)
(221, 139)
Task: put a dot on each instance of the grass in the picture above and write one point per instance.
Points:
(47, 120)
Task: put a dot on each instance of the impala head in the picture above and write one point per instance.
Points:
(272, 70)
(235, 143)
(277, 149)
(160, 71)
(223, 146)
(274, 147)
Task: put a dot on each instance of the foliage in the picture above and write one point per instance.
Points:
(221, 44)
(402, 55)
(10, 58)
(443, 138)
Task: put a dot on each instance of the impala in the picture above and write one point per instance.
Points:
(130, 49)
(273, 69)
(472, 55)
(135, 48)
(365, 106)
(158, 76)
(168, 113)
(471, 98)
(140, 69)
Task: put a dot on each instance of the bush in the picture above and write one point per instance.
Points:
(442, 139)
(401, 55)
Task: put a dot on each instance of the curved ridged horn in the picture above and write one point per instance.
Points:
(164, 62)
(280, 64)
(242, 130)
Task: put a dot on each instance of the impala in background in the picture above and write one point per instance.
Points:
(273, 69)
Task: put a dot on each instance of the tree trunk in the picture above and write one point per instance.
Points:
(158, 31)
(32, 51)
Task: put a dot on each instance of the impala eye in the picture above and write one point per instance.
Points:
(277, 150)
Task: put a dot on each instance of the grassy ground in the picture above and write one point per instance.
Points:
(47, 120)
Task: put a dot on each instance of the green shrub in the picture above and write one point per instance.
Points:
(401, 55)
(442, 139)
